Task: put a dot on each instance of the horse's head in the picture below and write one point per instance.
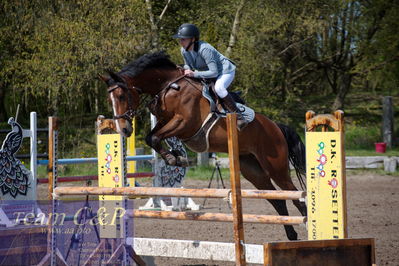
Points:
(124, 100)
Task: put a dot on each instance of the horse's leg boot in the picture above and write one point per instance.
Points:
(230, 105)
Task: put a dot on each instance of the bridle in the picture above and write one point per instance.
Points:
(130, 113)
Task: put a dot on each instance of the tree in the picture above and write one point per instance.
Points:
(60, 47)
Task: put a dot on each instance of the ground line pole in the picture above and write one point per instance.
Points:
(236, 188)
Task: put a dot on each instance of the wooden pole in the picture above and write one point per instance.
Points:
(52, 149)
(217, 217)
(236, 188)
(179, 192)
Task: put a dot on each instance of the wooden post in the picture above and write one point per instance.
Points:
(52, 150)
(326, 176)
(236, 188)
(387, 121)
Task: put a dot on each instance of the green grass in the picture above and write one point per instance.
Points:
(371, 152)
(204, 173)
(69, 170)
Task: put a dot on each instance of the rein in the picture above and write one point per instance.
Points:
(171, 85)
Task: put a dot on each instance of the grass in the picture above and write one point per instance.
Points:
(69, 170)
(204, 173)
(371, 152)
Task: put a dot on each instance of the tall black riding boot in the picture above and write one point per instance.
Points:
(230, 105)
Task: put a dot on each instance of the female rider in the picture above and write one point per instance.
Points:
(202, 60)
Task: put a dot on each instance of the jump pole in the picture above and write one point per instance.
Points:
(179, 192)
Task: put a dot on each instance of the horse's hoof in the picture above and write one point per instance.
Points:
(170, 160)
(182, 161)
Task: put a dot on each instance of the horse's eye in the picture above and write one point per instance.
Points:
(122, 98)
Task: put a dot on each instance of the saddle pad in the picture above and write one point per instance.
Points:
(247, 112)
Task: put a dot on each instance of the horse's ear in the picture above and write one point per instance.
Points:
(104, 78)
(115, 76)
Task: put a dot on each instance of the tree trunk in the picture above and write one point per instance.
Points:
(343, 89)
(387, 122)
(154, 28)
(236, 23)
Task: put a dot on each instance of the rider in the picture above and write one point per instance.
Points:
(208, 63)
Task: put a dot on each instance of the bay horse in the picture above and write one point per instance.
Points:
(265, 148)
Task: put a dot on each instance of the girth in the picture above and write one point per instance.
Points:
(200, 141)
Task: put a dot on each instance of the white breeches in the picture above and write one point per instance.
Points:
(223, 82)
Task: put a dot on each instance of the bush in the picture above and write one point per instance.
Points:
(362, 137)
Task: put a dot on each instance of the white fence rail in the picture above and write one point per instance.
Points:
(388, 163)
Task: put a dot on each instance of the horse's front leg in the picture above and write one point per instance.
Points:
(161, 132)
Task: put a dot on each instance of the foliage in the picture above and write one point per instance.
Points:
(361, 137)
(56, 49)
(291, 55)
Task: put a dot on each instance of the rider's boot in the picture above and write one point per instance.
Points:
(230, 105)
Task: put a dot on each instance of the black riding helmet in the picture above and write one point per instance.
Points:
(187, 30)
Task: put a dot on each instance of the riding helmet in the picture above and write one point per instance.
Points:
(187, 30)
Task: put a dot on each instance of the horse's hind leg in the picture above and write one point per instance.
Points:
(285, 183)
(253, 172)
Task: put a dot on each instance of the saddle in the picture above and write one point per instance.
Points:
(210, 94)
(200, 141)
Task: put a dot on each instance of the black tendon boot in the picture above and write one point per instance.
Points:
(230, 105)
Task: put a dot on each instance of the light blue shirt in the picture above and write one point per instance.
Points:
(207, 62)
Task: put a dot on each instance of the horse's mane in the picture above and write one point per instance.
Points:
(147, 61)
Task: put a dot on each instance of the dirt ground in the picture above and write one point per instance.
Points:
(373, 212)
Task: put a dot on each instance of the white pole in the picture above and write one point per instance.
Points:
(33, 151)
(153, 123)
(33, 145)
(154, 153)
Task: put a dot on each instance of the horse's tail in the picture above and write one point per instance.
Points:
(296, 152)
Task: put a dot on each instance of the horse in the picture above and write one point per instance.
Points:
(265, 148)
